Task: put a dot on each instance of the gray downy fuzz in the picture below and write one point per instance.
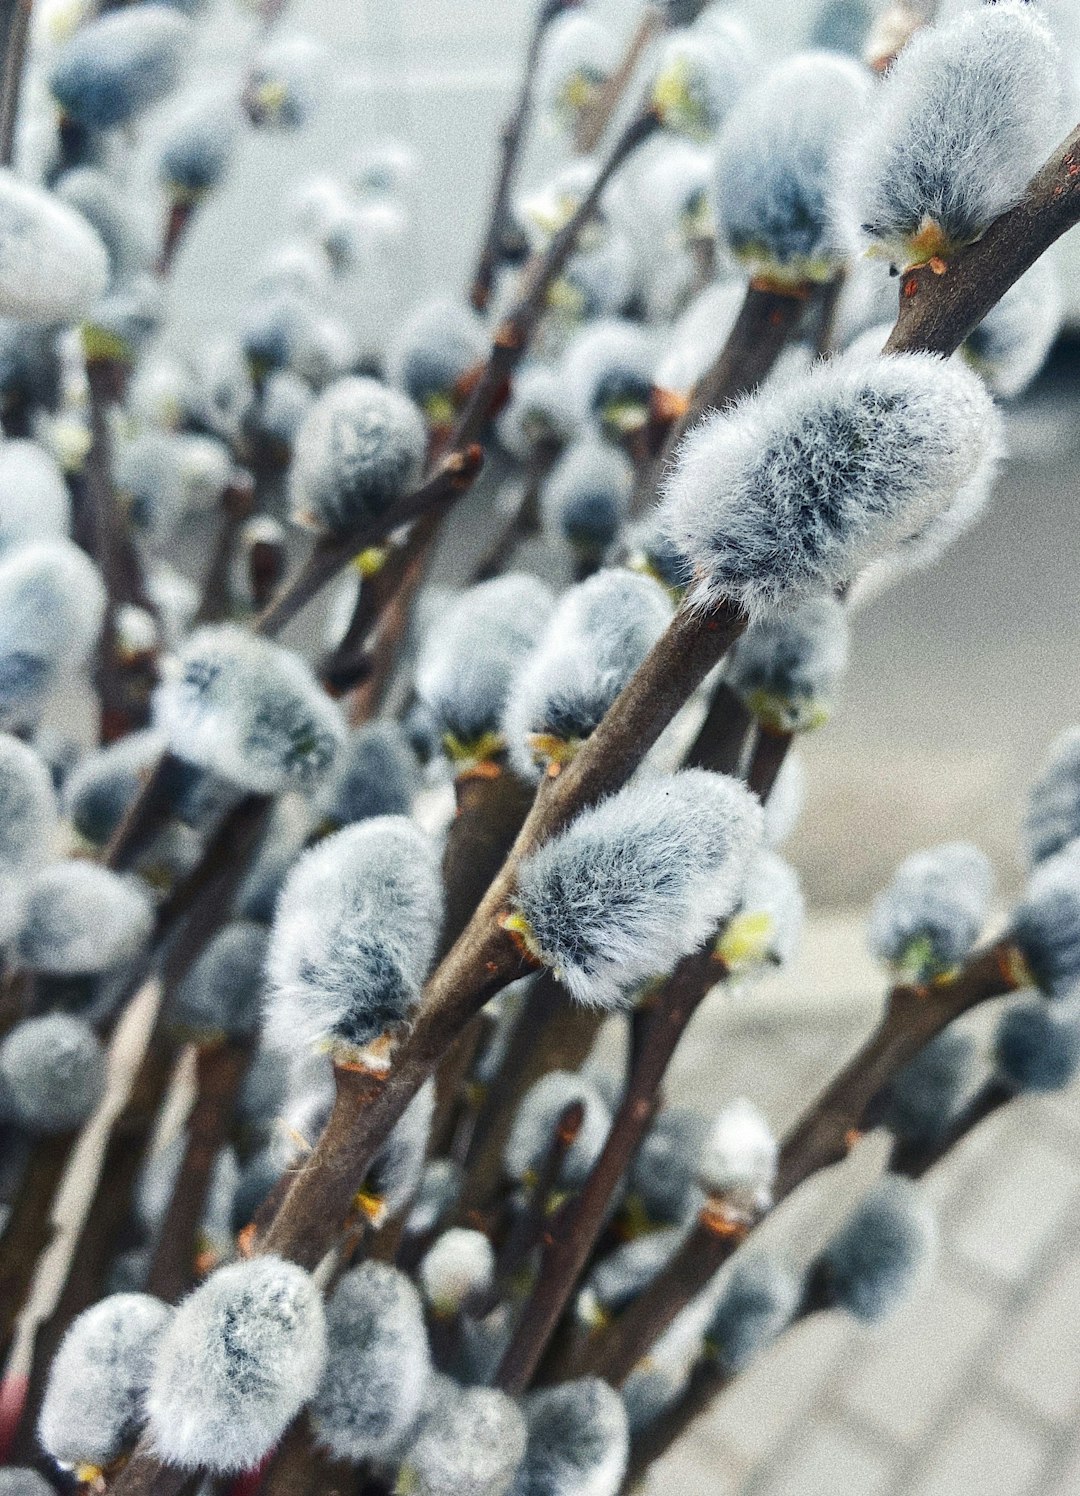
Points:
(27, 805)
(873, 1262)
(241, 1356)
(471, 1439)
(196, 147)
(539, 413)
(355, 931)
(220, 997)
(439, 345)
(378, 1366)
(788, 669)
(700, 76)
(375, 774)
(928, 919)
(738, 1161)
(755, 1306)
(469, 656)
(53, 266)
(398, 1167)
(578, 55)
(360, 447)
(79, 918)
(777, 160)
(587, 498)
(617, 1279)
(248, 710)
(534, 1127)
(577, 1441)
(766, 929)
(92, 1410)
(796, 489)
(34, 500)
(1053, 813)
(52, 1074)
(636, 882)
(664, 1173)
(596, 638)
(52, 606)
(1036, 1047)
(1046, 925)
(116, 66)
(920, 1104)
(608, 368)
(457, 1271)
(965, 117)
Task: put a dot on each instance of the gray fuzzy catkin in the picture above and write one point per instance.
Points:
(698, 336)
(470, 654)
(355, 931)
(34, 501)
(870, 1266)
(587, 496)
(1046, 925)
(80, 918)
(921, 1102)
(663, 1175)
(93, 193)
(578, 54)
(397, 1168)
(457, 1270)
(377, 1367)
(220, 995)
(776, 163)
(787, 669)
(965, 117)
(52, 604)
(248, 710)
(1037, 1048)
(795, 489)
(282, 84)
(596, 638)
(638, 881)
(1053, 812)
(533, 1132)
(361, 446)
(618, 1278)
(117, 65)
(1010, 344)
(439, 343)
(53, 265)
(768, 926)
(195, 149)
(756, 1305)
(608, 368)
(472, 1439)
(738, 1161)
(238, 1361)
(93, 1404)
(375, 774)
(27, 805)
(16, 1481)
(700, 75)
(933, 911)
(52, 1073)
(147, 480)
(440, 1185)
(578, 1441)
(540, 411)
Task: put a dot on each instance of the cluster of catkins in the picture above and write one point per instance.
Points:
(273, 841)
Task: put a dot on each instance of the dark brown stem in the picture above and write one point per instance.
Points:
(570, 1241)
(599, 114)
(29, 1228)
(237, 505)
(766, 760)
(300, 1468)
(219, 1074)
(148, 814)
(828, 307)
(525, 518)
(823, 1136)
(916, 1159)
(14, 33)
(722, 736)
(180, 213)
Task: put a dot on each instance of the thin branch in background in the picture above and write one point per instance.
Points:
(595, 119)
(237, 505)
(14, 35)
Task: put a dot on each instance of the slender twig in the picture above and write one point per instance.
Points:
(766, 759)
(14, 34)
(722, 735)
(916, 1159)
(29, 1227)
(237, 505)
(598, 114)
(524, 519)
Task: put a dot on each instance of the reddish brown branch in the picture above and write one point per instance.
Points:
(29, 1228)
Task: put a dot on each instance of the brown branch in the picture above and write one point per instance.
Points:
(916, 1159)
(237, 505)
(823, 1136)
(29, 1227)
(722, 736)
(14, 34)
(524, 519)
(767, 759)
(597, 115)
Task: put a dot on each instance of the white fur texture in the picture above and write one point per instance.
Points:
(221, 993)
(52, 603)
(438, 343)
(578, 54)
(52, 1071)
(940, 897)
(241, 1357)
(53, 266)
(375, 774)
(698, 336)
(117, 65)
(1046, 924)
(27, 805)
(92, 1409)
(538, 1116)
(578, 1441)
(772, 888)
(472, 1439)
(755, 1307)
(355, 930)
(797, 488)
(639, 881)
(458, 1269)
(795, 661)
(872, 1264)
(539, 410)
(397, 1168)
(34, 502)
(587, 496)
(1053, 817)
(739, 1160)
(82, 918)
(608, 363)
(699, 76)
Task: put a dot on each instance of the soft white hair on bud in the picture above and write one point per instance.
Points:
(93, 193)
(241, 1357)
(738, 1162)
(578, 54)
(82, 918)
(34, 502)
(698, 336)
(617, 1279)
(757, 1303)
(101, 786)
(1053, 814)
(1037, 1047)
(204, 468)
(963, 120)
(117, 65)
(439, 343)
(578, 1441)
(932, 913)
(52, 1071)
(360, 447)
(637, 882)
(471, 652)
(248, 710)
(1010, 344)
(597, 637)
(776, 162)
(660, 1378)
(354, 934)
(92, 1409)
(457, 1270)
(796, 489)
(769, 923)
(397, 1168)
(53, 265)
(221, 993)
(439, 1187)
(472, 1439)
(587, 496)
(27, 805)
(283, 85)
(787, 668)
(663, 1175)
(22, 1481)
(1046, 925)
(871, 1265)
(533, 1132)
(147, 481)
(784, 805)
(196, 145)
(52, 603)
(539, 411)
(608, 368)
(699, 75)
(375, 774)
(378, 1366)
